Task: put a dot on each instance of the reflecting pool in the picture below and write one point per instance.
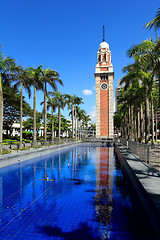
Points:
(78, 193)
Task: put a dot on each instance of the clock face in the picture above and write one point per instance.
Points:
(104, 86)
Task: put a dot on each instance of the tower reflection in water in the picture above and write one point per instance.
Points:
(104, 187)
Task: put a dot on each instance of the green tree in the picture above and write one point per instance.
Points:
(155, 62)
(141, 54)
(11, 110)
(51, 104)
(155, 23)
(34, 75)
(65, 123)
(73, 101)
(80, 116)
(78, 101)
(60, 102)
(28, 123)
(92, 126)
(85, 120)
(131, 97)
(50, 77)
(70, 101)
(22, 81)
(7, 69)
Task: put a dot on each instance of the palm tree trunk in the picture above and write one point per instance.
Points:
(45, 114)
(152, 113)
(138, 123)
(141, 123)
(34, 119)
(59, 122)
(156, 125)
(21, 103)
(126, 126)
(131, 122)
(75, 124)
(72, 121)
(135, 129)
(1, 115)
(78, 129)
(52, 127)
(159, 87)
(137, 116)
(146, 115)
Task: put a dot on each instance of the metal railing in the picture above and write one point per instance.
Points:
(123, 141)
(148, 153)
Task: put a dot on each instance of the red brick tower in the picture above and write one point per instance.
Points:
(104, 92)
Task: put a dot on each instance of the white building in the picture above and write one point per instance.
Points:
(15, 130)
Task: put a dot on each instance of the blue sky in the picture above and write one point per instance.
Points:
(65, 36)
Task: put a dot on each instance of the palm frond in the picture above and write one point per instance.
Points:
(155, 23)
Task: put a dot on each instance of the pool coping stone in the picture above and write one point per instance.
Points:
(20, 156)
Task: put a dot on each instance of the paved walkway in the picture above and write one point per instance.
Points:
(145, 182)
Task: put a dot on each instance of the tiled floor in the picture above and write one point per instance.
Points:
(82, 200)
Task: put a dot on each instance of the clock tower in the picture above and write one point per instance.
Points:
(104, 92)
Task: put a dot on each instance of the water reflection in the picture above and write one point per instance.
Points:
(64, 207)
(104, 187)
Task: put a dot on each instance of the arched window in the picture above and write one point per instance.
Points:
(104, 57)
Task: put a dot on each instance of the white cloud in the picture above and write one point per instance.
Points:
(87, 92)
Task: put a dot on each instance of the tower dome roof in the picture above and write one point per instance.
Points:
(104, 45)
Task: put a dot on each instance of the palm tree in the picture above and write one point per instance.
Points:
(155, 23)
(93, 128)
(50, 77)
(124, 106)
(34, 75)
(60, 102)
(155, 56)
(73, 101)
(85, 120)
(119, 118)
(22, 80)
(128, 97)
(141, 54)
(70, 101)
(80, 114)
(7, 70)
(78, 101)
(52, 104)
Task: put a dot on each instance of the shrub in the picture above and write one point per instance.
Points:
(27, 134)
(6, 152)
(15, 138)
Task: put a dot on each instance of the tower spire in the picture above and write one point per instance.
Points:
(103, 34)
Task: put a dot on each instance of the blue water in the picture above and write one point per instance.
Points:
(75, 194)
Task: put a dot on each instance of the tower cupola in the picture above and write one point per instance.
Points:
(104, 45)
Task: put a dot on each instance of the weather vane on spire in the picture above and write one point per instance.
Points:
(103, 34)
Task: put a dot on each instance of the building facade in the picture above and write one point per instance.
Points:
(104, 92)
